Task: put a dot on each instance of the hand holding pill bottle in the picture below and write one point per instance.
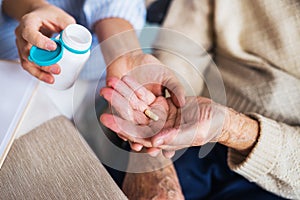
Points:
(73, 50)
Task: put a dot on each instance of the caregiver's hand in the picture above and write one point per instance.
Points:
(35, 28)
(129, 101)
(149, 72)
(123, 55)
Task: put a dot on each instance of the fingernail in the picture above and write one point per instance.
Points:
(54, 70)
(103, 119)
(104, 95)
(170, 154)
(158, 142)
(138, 148)
(109, 83)
(182, 101)
(48, 79)
(50, 46)
(102, 92)
(154, 153)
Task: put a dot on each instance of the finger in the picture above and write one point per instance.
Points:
(176, 90)
(159, 108)
(178, 97)
(123, 138)
(22, 45)
(33, 24)
(31, 33)
(32, 68)
(24, 48)
(134, 133)
(128, 93)
(37, 72)
(168, 154)
(166, 136)
(174, 139)
(140, 91)
(23, 51)
(140, 118)
(53, 69)
(136, 146)
(121, 105)
(153, 151)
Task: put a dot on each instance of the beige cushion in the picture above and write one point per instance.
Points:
(54, 162)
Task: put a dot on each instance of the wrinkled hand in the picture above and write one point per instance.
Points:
(199, 121)
(35, 28)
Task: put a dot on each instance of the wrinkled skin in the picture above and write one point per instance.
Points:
(176, 128)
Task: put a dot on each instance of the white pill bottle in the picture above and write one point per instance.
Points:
(72, 52)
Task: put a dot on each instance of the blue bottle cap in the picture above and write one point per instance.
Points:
(43, 57)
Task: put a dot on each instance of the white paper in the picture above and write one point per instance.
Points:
(16, 89)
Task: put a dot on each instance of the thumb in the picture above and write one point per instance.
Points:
(164, 137)
(33, 36)
(176, 138)
(178, 96)
(176, 91)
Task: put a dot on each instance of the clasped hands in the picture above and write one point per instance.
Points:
(183, 121)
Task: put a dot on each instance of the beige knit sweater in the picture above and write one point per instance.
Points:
(256, 46)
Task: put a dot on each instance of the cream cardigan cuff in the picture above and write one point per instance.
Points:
(264, 154)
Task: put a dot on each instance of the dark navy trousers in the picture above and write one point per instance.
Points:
(210, 178)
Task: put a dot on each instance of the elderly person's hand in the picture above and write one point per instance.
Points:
(35, 28)
(200, 121)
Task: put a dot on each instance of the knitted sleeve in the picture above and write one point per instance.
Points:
(274, 162)
(184, 47)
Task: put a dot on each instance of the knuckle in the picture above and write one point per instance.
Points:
(17, 30)
(25, 17)
(27, 67)
(25, 50)
(46, 69)
(24, 54)
(24, 65)
(25, 33)
(39, 75)
(31, 69)
(37, 41)
(17, 43)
